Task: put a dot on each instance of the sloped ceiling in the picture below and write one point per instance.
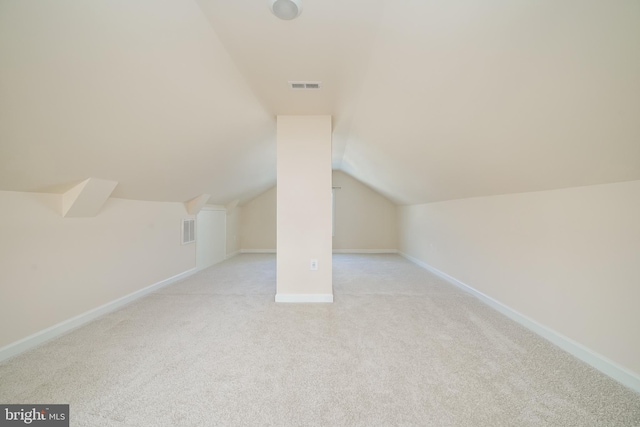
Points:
(140, 92)
(431, 100)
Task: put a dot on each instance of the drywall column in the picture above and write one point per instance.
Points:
(303, 232)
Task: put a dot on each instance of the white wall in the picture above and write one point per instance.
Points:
(211, 230)
(233, 231)
(258, 222)
(54, 268)
(569, 259)
(364, 219)
(303, 225)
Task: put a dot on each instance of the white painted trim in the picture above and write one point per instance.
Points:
(232, 254)
(601, 363)
(68, 325)
(198, 269)
(304, 297)
(365, 251)
(257, 251)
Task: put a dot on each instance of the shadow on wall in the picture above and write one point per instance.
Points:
(365, 220)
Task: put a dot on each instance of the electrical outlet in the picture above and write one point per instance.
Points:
(314, 264)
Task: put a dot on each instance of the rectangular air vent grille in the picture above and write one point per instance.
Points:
(305, 85)
(188, 231)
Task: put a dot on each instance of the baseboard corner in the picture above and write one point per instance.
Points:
(231, 255)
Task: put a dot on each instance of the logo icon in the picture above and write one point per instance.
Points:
(34, 415)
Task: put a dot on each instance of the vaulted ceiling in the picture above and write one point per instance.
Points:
(431, 100)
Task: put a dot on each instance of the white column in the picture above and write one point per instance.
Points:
(304, 209)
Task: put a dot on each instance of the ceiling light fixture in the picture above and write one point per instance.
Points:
(286, 9)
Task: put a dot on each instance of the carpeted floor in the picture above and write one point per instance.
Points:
(399, 347)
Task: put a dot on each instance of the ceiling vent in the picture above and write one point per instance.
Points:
(305, 85)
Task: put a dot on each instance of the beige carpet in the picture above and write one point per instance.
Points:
(399, 347)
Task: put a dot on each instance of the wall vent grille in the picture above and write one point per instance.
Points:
(305, 85)
(188, 231)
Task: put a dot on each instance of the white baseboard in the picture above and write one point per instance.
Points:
(232, 254)
(304, 297)
(365, 251)
(601, 363)
(63, 327)
(335, 251)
